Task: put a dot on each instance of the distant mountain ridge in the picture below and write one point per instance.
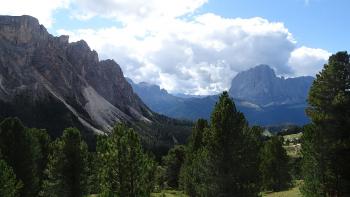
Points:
(260, 85)
(263, 98)
(155, 97)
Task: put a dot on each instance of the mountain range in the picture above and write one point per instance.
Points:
(263, 97)
(50, 83)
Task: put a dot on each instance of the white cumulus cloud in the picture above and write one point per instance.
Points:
(41, 9)
(172, 44)
(308, 61)
(198, 56)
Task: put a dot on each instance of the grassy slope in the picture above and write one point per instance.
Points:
(169, 193)
(292, 192)
(293, 150)
(293, 136)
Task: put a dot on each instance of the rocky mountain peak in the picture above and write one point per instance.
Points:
(263, 70)
(260, 85)
(22, 30)
(39, 66)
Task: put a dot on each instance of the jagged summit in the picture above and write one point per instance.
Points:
(38, 69)
(263, 69)
(260, 85)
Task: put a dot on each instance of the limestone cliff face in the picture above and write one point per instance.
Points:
(261, 86)
(39, 67)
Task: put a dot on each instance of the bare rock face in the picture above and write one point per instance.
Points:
(261, 86)
(37, 68)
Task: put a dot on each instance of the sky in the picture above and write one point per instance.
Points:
(198, 46)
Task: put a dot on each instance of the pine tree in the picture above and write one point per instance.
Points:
(329, 110)
(222, 160)
(125, 170)
(226, 151)
(9, 186)
(173, 162)
(67, 168)
(93, 166)
(198, 135)
(312, 162)
(194, 170)
(274, 165)
(252, 143)
(194, 174)
(159, 178)
(19, 150)
(40, 143)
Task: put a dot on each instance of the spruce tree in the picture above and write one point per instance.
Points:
(252, 144)
(41, 141)
(20, 151)
(227, 152)
(274, 165)
(9, 186)
(67, 168)
(194, 174)
(173, 162)
(124, 169)
(194, 170)
(313, 168)
(329, 110)
(198, 135)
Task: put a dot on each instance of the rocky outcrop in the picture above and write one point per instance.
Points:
(39, 67)
(261, 86)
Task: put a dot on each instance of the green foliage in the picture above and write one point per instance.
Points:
(162, 134)
(274, 165)
(93, 166)
(313, 169)
(124, 170)
(222, 159)
(41, 142)
(9, 186)
(230, 153)
(67, 169)
(194, 173)
(295, 164)
(327, 143)
(173, 163)
(291, 192)
(21, 151)
(160, 179)
(169, 193)
(197, 137)
(194, 170)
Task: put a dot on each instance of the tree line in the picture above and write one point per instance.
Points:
(31, 164)
(223, 157)
(227, 157)
(326, 141)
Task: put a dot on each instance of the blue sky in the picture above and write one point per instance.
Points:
(317, 23)
(198, 46)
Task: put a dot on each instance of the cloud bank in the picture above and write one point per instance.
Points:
(41, 9)
(172, 44)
